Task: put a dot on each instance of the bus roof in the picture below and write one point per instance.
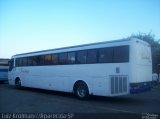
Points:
(98, 43)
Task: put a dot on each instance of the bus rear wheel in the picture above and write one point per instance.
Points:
(81, 90)
(18, 83)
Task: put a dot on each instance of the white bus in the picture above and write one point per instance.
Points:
(3, 70)
(111, 68)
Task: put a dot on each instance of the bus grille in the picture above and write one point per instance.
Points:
(118, 84)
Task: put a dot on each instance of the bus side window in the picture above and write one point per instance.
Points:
(48, 60)
(121, 54)
(30, 61)
(17, 62)
(62, 58)
(92, 56)
(24, 61)
(105, 55)
(81, 57)
(41, 60)
(35, 61)
(55, 59)
(71, 58)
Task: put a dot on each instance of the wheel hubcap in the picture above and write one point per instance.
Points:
(18, 83)
(81, 91)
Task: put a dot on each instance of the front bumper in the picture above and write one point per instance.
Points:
(140, 87)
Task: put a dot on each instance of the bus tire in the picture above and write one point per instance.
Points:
(18, 83)
(81, 90)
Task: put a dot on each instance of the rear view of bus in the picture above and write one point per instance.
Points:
(141, 66)
(3, 70)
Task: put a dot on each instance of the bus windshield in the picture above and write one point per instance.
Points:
(11, 64)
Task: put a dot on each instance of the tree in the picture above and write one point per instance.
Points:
(155, 48)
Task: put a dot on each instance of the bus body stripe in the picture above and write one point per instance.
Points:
(3, 70)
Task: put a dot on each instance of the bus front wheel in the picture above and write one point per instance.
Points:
(18, 83)
(81, 90)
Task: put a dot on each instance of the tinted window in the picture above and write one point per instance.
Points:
(35, 61)
(62, 58)
(81, 57)
(92, 56)
(17, 62)
(41, 60)
(121, 54)
(105, 55)
(71, 57)
(30, 62)
(20, 61)
(24, 61)
(48, 59)
(55, 59)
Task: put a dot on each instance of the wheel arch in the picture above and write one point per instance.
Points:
(16, 79)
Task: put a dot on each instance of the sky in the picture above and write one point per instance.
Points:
(34, 25)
